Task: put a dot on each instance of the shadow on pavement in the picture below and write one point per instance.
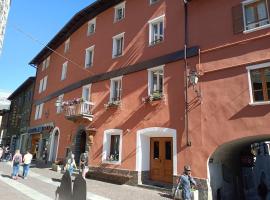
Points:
(5, 176)
(166, 195)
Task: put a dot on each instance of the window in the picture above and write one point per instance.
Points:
(39, 109)
(119, 12)
(112, 146)
(256, 14)
(43, 84)
(86, 92)
(46, 63)
(259, 83)
(156, 30)
(89, 56)
(91, 27)
(155, 81)
(64, 71)
(153, 1)
(118, 45)
(116, 89)
(60, 98)
(67, 44)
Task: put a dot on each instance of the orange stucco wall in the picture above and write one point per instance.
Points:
(222, 115)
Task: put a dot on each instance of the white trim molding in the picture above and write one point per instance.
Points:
(106, 145)
(143, 147)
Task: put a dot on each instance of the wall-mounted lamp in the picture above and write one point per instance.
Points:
(58, 103)
(193, 77)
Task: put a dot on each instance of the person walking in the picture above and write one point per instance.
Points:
(27, 159)
(1, 153)
(71, 165)
(16, 161)
(185, 182)
(84, 163)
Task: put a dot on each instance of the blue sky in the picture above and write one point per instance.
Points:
(41, 19)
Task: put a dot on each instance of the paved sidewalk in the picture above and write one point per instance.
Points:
(43, 182)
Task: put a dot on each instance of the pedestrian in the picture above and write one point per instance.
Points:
(45, 155)
(16, 161)
(71, 165)
(262, 187)
(84, 163)
(1, 153)
(26, 163)
(185, 182)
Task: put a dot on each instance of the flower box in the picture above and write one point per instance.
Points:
(111, 104)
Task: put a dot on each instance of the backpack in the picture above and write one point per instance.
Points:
(16, 160)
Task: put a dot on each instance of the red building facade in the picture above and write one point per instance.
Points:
(115, 85)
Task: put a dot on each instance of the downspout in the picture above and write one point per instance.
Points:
(186, 72)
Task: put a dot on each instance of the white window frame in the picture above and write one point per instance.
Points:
(87, 55)
(45, 80)
(151, 23)
(150, 78)
(60, 98)
(249, 68)
(116, 8)
(40, 89)
(64, 71)
(114, 50)
(39, 110)
(87, 87)
(90, 23)
(120, 78)
(43, 84)
(45, 63)
(151, 2)
(67, 45)
(106, 145)
(244, 3)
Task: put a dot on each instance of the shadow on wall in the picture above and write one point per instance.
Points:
(251, 111)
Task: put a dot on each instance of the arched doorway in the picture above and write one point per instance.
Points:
(54, 144)
(235, 168)
(80, 144)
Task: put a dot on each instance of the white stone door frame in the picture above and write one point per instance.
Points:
(52, 143)
(143, 147)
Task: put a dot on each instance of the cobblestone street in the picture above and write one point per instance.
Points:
(42, 183)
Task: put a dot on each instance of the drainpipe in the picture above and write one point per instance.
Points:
(186, 71)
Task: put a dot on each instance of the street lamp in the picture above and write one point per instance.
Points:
(193, 77)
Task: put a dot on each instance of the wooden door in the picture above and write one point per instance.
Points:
(161, 159)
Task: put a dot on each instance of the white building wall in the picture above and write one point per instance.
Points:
(4, 10)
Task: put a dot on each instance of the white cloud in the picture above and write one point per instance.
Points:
(4, 103)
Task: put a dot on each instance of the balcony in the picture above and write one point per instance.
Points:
(78, 109)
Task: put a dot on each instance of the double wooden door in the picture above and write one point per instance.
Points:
(161, 159)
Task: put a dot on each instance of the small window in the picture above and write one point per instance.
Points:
(67, 45)
(46, 63)
(59, 109)
(91, 27)
(89, 56)
(156, 150)
(43, 84)
(116, 89)
(39, 109)
(119, 12)
(256, 14)
(118, 45)
(155, 81)
(112, 146)
(156, 30)
(259, 82)
(86, 96)
(153, 1)
(64, 71)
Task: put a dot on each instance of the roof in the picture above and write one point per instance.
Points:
(74, 24)
(22, 87)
